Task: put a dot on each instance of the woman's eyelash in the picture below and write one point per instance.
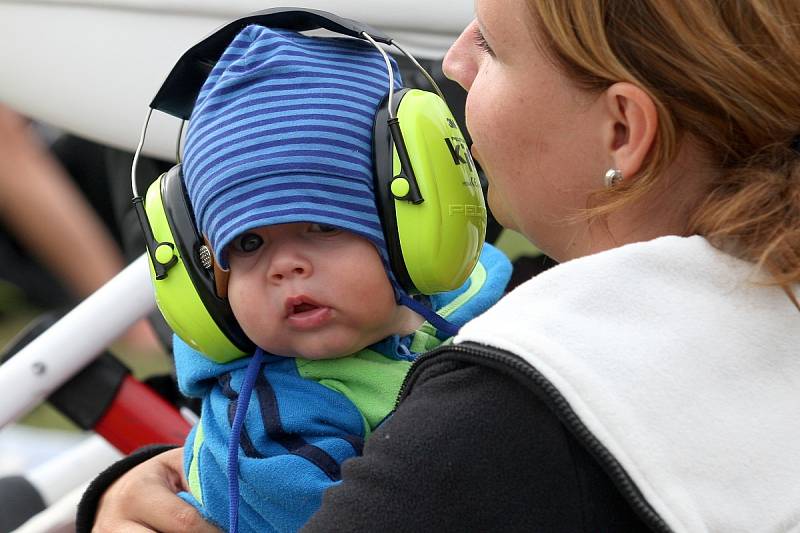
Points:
(480, 41)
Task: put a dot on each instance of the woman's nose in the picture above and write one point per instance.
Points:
(458, 64)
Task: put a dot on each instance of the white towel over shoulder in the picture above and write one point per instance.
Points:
(682, 365)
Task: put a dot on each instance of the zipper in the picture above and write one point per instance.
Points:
(479, 354)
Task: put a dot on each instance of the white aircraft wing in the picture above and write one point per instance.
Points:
(91, 67)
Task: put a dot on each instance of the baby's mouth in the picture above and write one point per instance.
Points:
(298, 305)
(303, 313)
(302, 308)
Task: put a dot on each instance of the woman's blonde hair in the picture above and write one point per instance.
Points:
(726, 72)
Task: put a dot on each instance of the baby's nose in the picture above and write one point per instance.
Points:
(287, 266)
(296, 271)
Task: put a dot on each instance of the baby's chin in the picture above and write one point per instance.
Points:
(330, 344)
(309, 352)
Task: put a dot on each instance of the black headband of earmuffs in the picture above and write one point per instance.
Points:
(179, 91)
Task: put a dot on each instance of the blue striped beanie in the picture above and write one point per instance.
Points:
(282, 132)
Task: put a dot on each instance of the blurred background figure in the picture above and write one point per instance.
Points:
(59, 241)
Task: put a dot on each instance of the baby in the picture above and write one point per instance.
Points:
(278, 169)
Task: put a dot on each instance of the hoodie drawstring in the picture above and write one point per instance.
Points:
(253, 368)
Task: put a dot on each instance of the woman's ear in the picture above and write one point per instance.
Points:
(632, 127)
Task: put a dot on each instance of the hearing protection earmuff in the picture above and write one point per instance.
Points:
(426, 186)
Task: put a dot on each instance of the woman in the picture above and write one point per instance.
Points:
(650, 380)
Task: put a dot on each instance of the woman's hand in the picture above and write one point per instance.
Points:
(144, 499)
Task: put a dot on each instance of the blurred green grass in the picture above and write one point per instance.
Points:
(16, 313)
(514, 245)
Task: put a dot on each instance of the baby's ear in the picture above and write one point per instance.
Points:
(220, 275)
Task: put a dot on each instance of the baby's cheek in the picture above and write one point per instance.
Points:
(250, 311)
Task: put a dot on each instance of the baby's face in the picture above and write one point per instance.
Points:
(312, 291)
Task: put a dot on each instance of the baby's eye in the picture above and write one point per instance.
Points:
(322, 228)
(247, 242)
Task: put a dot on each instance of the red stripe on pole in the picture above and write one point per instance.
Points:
(138, 417)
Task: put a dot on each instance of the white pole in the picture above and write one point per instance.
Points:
(54, 478)
(57, 518)
(70, 344)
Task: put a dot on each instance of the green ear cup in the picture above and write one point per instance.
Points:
(185, 304)
(440, 238)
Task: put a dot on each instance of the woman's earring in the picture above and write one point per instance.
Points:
(613, 177)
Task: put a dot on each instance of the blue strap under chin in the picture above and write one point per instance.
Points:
(242, 402)
(442, 326)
